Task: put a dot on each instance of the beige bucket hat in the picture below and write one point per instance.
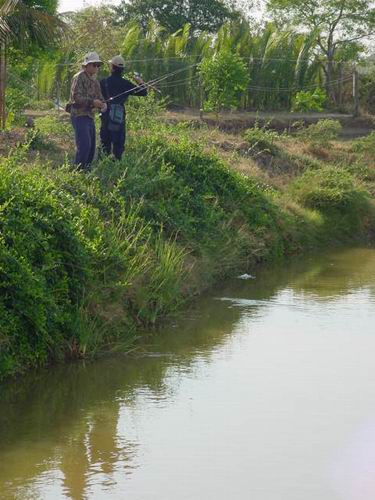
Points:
(118, 61)
(91, 57)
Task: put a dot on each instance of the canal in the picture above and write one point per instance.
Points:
(263, 390)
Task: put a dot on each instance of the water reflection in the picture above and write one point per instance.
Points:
(65, 432)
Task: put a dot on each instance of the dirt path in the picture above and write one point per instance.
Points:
(278, 120)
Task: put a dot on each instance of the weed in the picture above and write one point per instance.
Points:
(322, 133)
(53, 126)
(365, 145)
(261, 140)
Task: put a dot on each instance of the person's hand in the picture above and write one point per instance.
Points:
(103, 109)
(139, 80)
(97, 103)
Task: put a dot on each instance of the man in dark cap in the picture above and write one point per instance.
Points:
(113, 128)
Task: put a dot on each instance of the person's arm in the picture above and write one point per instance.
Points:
(99, 97)
(138, 90)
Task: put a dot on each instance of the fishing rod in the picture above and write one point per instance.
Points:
(151, 83)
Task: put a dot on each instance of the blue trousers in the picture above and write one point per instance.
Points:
(84, 130)
(112, 141)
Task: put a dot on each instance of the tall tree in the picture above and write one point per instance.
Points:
(202, 15)
(338, 23)
(25, 23)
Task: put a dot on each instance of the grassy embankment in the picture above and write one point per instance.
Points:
(86, 261)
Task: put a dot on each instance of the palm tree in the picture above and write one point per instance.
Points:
(23, 25)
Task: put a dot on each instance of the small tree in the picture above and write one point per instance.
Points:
(224, 78)
(340, 25)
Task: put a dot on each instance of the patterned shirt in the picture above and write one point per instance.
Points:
(84, 90)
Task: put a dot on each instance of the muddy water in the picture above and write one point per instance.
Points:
(264, 391)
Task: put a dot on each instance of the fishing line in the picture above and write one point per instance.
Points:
(291, 89)
(151, 82)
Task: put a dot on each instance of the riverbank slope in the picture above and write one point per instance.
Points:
(88, 261)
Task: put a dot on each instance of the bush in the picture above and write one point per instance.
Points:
(321, 133)
(329, 188)
(43, 268)
(305, 101)
(365, 144)
(225, 78)
(16, 100)
(144, 112)
(361, 171)
(261, 139)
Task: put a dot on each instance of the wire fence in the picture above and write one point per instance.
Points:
(178, 80)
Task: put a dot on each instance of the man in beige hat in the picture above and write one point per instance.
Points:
(113, 127)
(85, 98)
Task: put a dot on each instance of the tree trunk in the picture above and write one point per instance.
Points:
(2, 83)
(330, 70)
(329, 85)
(340, 91)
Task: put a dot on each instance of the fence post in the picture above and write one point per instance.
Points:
(355, 91)
(2, 83)
(58, 96)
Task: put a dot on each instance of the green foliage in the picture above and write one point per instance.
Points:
(339, 27)
(16, 100)
(144, 113)
(365, 144)
(305, 101)
(329, 188)
(187, 192)
(33, 24)
(85, 259)
(41, 104)
(174, 14)
(224, 77)
(261, 139)
(43, 268)
(57, 126)
(361, 171)
(321, 133)
(72, 254)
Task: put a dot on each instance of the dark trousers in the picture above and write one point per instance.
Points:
(112, 141)
(84, 129)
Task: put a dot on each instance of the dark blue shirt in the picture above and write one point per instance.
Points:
(116, 84)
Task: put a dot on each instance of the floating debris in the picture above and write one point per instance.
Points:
(246, 277)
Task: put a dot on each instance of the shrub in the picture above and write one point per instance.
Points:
(16, 100)
(43, 268)
(361, 171)
(261, 139)
(365, 144)
(224, 78)
(143, 112)
(329, 188)
(321, 133)
(71, 253)
(305, 101)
